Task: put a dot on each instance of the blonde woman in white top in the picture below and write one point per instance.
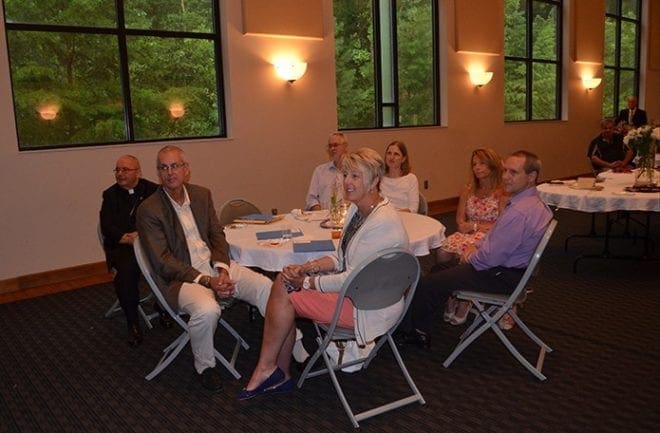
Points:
(399, 184)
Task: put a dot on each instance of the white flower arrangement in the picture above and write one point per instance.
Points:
(656, 133)
(641, 139)
(637, 136)
(644, 140)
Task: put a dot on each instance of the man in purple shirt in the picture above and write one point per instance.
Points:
(497, 264)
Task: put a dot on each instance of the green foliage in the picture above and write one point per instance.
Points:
(621, 53)
(79, 73)
(355, 65)
(415, 54)
(93, 13)
(531, 62)
(174, 15)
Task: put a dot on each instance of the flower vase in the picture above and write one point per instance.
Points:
(646, 167)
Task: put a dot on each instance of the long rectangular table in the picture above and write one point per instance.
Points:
(609, 197)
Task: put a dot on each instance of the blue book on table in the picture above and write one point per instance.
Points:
(277, 234)
(313, 246)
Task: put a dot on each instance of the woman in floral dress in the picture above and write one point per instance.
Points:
(481, 202)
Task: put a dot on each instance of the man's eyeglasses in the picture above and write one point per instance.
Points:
(174, 166)
(124, 169)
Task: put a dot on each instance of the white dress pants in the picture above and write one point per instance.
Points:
(200, 303)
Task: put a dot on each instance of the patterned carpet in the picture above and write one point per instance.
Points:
(64, 368)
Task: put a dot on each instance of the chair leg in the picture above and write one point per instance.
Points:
(146, 317)
(464, 343)
(307, 373)
(340, 392)
(114, 309)
(532, 369)
(169, 354)
(240, 342)
(530, 333)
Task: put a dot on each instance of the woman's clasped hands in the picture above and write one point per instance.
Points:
(294, 275)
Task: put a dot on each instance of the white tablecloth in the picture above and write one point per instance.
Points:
(611, 198)
(424, 233)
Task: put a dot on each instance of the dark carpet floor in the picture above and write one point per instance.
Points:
(65, 368)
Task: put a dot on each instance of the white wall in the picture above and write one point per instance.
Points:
(50, 199)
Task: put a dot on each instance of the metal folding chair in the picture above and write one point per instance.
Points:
(115, 308)
(423, 208)
(232, 209)
(173, 350)
(491, 307)
(378, 282)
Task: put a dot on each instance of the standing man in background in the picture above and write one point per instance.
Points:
(632, 117)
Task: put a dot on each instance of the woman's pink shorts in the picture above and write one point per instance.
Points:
(319, 306)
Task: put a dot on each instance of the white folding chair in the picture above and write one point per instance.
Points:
(173, 350)
(376, 283)
(491, 307)
(232, 209)
(115, 308)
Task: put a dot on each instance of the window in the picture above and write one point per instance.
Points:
(387, 63)
(102, 72)
(621, 60)
(532, 59)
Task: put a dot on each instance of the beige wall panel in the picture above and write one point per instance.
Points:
(478, 26)
(588, 29)
(302, 18)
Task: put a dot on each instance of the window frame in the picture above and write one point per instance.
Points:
(122, 33)
(617, 68)
(379, 105)
(529, 60)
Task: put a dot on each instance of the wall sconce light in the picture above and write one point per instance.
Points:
(290, 70)
(177, 110)
(591, 83)
(480, 78)
(48, 112)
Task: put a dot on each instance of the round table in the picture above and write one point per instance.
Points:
(424, 234)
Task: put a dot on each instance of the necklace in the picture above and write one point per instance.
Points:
(371, 207)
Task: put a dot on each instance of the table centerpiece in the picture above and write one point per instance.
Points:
(644, 140)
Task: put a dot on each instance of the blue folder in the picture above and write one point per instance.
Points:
(313, 246)
(265, 217)
(277, 234)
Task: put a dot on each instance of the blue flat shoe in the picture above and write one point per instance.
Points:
(286, 386)
(266, 387)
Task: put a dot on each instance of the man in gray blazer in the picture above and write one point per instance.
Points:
(186, 246)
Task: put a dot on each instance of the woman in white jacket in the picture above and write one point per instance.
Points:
(310, 290)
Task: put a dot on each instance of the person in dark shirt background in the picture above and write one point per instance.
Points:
(120, 202)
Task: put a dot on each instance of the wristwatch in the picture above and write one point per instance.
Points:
(205, 281)
(306, 285)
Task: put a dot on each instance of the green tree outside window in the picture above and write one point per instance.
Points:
(532, 61)
(90, 72)
(386, 63)
(621, 58)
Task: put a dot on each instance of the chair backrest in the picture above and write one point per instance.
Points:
(520, 289)
(423, 205)
(235, 208)
(147, 272)
(382, 279)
